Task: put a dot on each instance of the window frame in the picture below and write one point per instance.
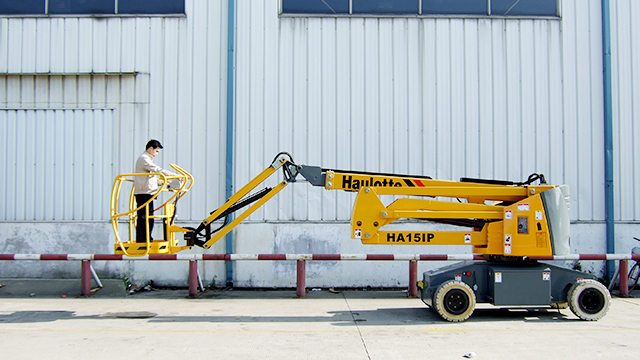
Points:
(46, 13)
(351, 14)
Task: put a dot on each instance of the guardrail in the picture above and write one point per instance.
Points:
(194, 278)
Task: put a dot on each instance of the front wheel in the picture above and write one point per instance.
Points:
(454, 301)
(589, 300)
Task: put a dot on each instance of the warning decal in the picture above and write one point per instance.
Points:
(498, 277)
(357, 234)
(507, 244)
(467, 238)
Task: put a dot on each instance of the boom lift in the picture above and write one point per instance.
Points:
(504, 222)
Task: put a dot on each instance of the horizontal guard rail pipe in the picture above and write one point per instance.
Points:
(314, 257)
(301, 261)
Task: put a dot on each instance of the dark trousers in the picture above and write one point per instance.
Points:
(141, 232)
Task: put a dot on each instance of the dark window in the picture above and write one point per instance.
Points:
(455, 7)
(385, 7)
(21, 7)
(315, 6)
(96, 7)
(64, 7)
(524, 7)
(151, 7)
(497, 8)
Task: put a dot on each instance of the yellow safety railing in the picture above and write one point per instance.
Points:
(168, 245)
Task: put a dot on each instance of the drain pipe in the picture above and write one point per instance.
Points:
(608, 135)
(231, 24)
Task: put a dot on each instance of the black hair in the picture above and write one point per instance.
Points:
(154, 144)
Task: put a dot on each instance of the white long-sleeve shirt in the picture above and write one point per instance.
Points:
(148, 184)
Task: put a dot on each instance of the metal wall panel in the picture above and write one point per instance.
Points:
(625, 33)
(159, 77)
(491, 98)
(54, 164)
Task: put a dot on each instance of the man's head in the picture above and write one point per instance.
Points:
(153, 147)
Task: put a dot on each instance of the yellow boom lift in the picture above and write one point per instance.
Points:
(504, 222)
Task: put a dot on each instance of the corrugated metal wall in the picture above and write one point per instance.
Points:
(625, 46)
(161, 77)
(61, 171)
(489, 98)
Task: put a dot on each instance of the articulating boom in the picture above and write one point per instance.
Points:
(503, 218)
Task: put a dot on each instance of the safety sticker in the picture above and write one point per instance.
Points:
(498, 277)
(507, 244)
(467, 238)
(523, 207)
(538, 214)
(546, 276)
(508, 215)
(458, 277)
(357, 234)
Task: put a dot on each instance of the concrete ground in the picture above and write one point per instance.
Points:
(46, 319)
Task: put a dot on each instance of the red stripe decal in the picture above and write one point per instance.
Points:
(433, 257)
(419, 183)
(53, 257)
(6, 256)
(593, 257)
(107, 257)
(163, 257)
(213, 257)
(326, 256)
(272, 257)
(380, 257)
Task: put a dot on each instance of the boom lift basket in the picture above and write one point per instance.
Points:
(176, 186)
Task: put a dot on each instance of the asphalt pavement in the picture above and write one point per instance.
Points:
(48, 320)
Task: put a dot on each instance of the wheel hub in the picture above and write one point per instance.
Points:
(456, 302)
(591, 301)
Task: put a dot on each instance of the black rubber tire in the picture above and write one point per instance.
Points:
(589, 300)
(454, 301)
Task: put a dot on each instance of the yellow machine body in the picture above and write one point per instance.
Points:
(499, 218)
(516, 219)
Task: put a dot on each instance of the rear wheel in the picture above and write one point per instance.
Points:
(589, 300)
(454, 301)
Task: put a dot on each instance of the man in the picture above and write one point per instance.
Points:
(146, 186)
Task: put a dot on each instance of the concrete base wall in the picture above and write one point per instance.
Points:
(263, 238)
